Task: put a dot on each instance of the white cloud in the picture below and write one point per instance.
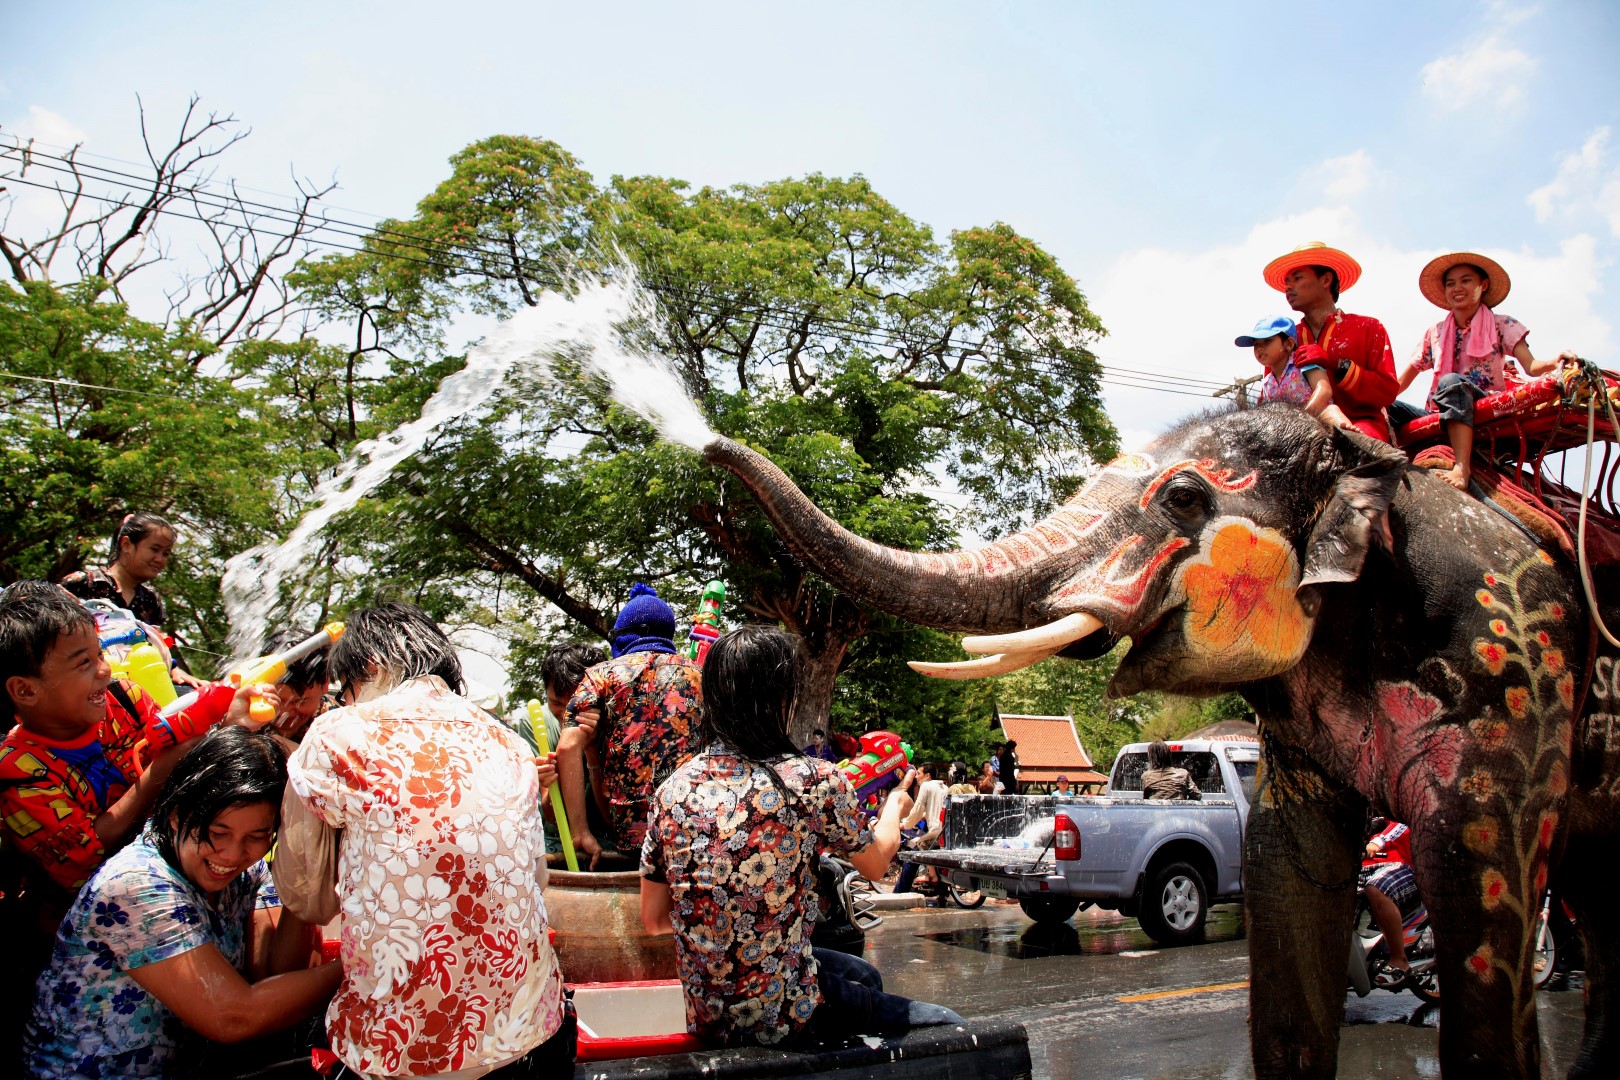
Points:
(1342, 177)
(48, 127)
(1486, 73)
(1176, 312)
(1587, 183)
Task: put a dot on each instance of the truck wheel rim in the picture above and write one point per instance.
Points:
(1180, 902)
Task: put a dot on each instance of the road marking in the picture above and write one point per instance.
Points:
(1156, 995)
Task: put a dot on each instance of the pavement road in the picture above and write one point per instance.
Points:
(1102, 1002)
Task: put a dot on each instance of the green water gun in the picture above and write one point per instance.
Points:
(537, 725)
(706, 623)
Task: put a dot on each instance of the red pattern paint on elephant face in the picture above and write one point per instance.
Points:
(1205, 467)
(1101, 587)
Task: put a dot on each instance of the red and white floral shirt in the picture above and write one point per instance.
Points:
(446, 964)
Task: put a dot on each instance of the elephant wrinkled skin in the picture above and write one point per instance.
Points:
(1404, 646)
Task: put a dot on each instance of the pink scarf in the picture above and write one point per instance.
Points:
(1482, 345)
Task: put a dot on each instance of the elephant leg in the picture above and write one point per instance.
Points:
(1300, 858)
(1483, 913)
(1590, 880)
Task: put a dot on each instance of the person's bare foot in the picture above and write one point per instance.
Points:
(1457, 476)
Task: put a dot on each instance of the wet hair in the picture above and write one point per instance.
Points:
(400, 641)
(959, 772)
(818, 733)
(135, 528)
(564, 666)
(230, 767)
(1333, 285)
(750, 685)
(305, 673)
(33, 614)
(1158, 755)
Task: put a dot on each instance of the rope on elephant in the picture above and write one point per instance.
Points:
(1598, 387)
(1274, 749)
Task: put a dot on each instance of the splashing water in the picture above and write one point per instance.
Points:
(587, 326)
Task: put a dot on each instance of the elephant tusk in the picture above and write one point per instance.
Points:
(1053, 636)
(984, 666)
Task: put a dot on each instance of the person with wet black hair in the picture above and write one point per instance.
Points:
(177, 938)
(300, 696)
(728, 865)
(561, 672)
(440, 863)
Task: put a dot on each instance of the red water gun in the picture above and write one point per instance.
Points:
(880, 765)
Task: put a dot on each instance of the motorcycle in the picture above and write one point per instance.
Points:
(1369, 968)
(846, 904)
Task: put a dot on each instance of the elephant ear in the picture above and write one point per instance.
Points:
(1369, 474)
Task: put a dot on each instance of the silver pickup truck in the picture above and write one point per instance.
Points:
(1163, 862)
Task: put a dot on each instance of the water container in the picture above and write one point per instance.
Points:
(148, 670)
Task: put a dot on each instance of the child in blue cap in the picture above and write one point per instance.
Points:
(1295, 374)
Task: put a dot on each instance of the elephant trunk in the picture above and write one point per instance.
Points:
(987, 590)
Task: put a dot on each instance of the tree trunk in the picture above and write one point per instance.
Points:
(816, 691)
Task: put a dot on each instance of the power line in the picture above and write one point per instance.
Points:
(305, 227)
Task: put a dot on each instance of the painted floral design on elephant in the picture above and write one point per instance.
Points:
(1529, 732)
(1241, 602)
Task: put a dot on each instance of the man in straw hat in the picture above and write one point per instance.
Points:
(1360, 362)
(1467, 350)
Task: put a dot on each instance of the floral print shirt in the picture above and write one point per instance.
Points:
(93, 584)
(1489, 373)
(446, 962)
(1291, 386)
(740, 862)
(90, 1018)
(651, 707)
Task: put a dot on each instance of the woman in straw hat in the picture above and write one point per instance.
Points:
(1468, 349)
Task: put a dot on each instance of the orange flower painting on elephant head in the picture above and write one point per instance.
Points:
(1240, 598)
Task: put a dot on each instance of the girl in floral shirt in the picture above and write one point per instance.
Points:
(175, 939)
(728, 865)
(1294, 373)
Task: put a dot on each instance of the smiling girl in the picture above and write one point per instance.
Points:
(176, 939)
(1468, 349)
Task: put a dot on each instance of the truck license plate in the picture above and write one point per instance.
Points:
(991, 888)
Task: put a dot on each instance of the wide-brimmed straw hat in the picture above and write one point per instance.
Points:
(1314, 253)
(1431, 279)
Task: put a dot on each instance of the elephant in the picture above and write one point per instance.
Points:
(1406, 648)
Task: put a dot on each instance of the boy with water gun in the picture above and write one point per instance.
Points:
(87, 755)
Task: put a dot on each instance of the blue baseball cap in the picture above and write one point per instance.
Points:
(1268, 328)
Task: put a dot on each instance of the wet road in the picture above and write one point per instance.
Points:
(1101, 1001)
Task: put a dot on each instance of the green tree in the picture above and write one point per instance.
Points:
(809, 317)
(104, 413)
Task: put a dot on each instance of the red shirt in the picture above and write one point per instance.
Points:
(51, 792)
(1368, 385)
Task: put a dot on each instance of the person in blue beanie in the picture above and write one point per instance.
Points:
(634, 720)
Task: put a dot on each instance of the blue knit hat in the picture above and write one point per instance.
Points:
(645, 624)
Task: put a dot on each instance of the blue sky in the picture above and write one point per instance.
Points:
(1163, 152)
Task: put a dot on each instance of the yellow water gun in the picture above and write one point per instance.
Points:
(265, 669)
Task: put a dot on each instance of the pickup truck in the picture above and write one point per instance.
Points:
(1161, 861)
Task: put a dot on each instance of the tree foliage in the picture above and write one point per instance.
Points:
(809, 317)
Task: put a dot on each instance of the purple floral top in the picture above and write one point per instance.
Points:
(739, 859)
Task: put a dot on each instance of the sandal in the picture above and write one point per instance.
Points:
(1392, 979)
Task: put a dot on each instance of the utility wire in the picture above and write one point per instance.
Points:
(304, 226)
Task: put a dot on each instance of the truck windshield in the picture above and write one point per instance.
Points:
(1200, 764)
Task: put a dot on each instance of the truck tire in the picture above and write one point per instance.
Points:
(1174, 905)
(1049, 909)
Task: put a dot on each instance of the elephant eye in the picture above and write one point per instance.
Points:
(1185, 501)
